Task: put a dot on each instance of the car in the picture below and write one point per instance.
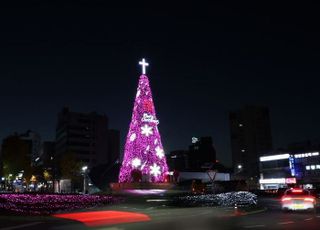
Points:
(297, 199)
(198, 187)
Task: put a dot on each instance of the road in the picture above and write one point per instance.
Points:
(274, 218)
(161, 216)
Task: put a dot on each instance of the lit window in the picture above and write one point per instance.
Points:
(243, 150)
(308, 167)
(313, 167)
(240, 125)
(317, 166)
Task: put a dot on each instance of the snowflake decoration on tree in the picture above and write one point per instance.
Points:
(136, 162)
(138, 93)
(155, 170)
(133, 137)
(159, 152)
(146, 130)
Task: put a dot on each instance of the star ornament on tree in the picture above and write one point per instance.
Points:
(159, 152)
(146, 130)
(155, 170)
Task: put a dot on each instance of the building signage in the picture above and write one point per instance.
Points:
(194, 140)
(291, 180)
(275, 157)
(291, 165)
(303, 155)
(273, 181)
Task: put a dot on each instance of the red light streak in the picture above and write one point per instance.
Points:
(309, 199)
(285, 199)
(100, 218)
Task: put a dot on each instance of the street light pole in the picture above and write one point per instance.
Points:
(84, 170)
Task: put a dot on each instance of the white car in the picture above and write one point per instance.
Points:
(298, 199)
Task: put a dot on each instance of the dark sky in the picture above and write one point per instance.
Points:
(205, 60)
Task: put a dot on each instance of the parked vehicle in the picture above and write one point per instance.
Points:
(197, 187)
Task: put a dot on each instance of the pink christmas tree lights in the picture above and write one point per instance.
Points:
(143, 149)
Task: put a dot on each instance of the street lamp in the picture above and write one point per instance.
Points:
(84, 170)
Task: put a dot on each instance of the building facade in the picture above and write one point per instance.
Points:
(285, 169)
(200, 156)
(35, 140)
(16, 155)
(250, 137)
(178, 160)
(87, 136)
(201, 153)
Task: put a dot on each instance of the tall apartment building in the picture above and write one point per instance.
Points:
(87, 136)
(250, 137)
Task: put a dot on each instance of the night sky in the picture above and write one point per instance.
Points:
(205, 60)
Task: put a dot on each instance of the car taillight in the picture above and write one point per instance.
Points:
(309, 199)
(285, 199)
(297, 190)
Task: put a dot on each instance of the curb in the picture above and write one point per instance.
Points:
(256, 211)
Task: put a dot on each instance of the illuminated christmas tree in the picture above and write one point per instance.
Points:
(143, 150)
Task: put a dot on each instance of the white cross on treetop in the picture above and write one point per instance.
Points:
(143, 63)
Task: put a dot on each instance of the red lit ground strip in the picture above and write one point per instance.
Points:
(100, 218)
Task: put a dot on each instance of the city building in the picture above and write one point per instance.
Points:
(285, 169)
(201, 153)
(35, 140)
(200, 156)
(46, 155)
(178, 160)
(87, 136)
(250, 137)
(16, 155)
(47, 163)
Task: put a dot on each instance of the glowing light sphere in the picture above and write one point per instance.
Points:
(143, 141)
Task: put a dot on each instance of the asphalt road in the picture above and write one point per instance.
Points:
(164, 217)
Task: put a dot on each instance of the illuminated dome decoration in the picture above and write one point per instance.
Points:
(143, 149)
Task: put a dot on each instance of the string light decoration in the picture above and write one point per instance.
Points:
(45, 204)
(143, 149)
